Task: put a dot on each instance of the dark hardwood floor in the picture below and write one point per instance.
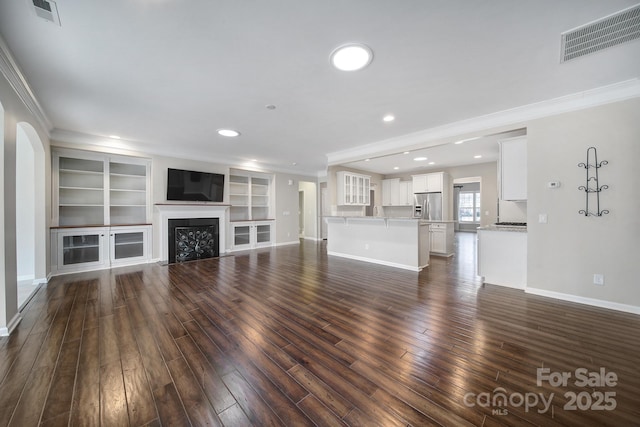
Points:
(290, 337)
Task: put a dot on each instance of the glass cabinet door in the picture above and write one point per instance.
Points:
(79, 249)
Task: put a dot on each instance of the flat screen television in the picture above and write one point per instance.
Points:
(194, 186)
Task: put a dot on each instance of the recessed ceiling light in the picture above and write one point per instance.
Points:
(254, 160)
(388, 118)
(366, 160)
(477, 157)
(114, 137)
(459, 142)
(419, 159)
(432, 163)
(406, 152)
(228, 132)
(396, 168)
(351, 57)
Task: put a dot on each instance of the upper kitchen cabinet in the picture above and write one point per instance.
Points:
(429, 183)
(512, 169)
(353, 188)
(396, 192)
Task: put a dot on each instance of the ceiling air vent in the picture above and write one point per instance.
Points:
(609, 31)
(47, 9)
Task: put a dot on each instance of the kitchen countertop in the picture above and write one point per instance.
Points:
(515, 229)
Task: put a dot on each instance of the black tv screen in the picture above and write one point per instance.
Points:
(194, 186)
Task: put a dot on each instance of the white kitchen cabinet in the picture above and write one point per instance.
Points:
(93, 248)
(251, 234)
(513, 169)
(429, 183)
(396, 192)
(502, 257)
(406, 193)
(353, 189)
(391, 192)
(441, 237)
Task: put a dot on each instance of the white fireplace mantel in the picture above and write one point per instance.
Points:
(165, 212)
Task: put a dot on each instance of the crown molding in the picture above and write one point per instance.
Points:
(83, 141)
(10, 70)
(516, 116)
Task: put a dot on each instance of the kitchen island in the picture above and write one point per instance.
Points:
(396, 242)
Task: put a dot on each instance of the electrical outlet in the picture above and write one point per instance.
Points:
(598, 279)
(366, 246)
(542, 218)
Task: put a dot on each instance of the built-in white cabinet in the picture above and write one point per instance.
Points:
(251, 234)
(429, 183)
(93, 248)
(396, 192)
(250, 196)
(512, 169)
(129, 245)
(353, 189)
(251, 212)
(441, 238)
(100, 189)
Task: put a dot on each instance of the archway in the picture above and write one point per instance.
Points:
(30, 215)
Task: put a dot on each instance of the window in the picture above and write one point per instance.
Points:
(469, 206)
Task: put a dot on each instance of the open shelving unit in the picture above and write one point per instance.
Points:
(101, 210)
(250, 214)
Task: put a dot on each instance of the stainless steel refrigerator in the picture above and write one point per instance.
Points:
(428, 206)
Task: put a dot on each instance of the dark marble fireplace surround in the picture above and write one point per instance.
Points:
(191, 239)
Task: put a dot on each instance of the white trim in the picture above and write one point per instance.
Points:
(377, 261)
(293, 242)
(9, 68)
(24, 278)
(42, 280)
(5, 332)
(430, 137)
(584, 300)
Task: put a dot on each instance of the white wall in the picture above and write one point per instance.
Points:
(25, 207)
(15, 113)
(564, 254)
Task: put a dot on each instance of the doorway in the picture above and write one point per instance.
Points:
(308, 210)
(30, 216)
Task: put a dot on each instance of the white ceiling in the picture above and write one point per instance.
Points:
(165, 74)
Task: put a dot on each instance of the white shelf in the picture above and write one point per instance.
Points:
(80, 172)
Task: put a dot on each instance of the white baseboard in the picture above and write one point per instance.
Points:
(315, 239)
(5, 332)
(42, 280)
(292, 242)
(25, 278)
(376, 261)
(584, 300)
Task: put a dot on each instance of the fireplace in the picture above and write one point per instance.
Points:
(192, 239)
(165, 212)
